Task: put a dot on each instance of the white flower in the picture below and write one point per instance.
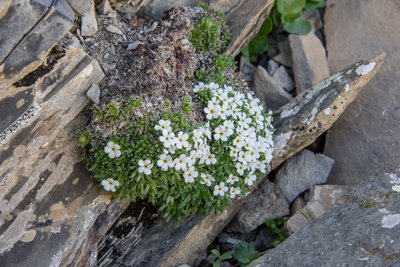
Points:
(212, 111)
(233, 152)
(220, 189)
(242, 157)
(163, 125)
(168, 139)
(165, 162)
(220, 134)
(250, 180)
(113, 150)
(234, 191)
(228, 127)
(198, 87)
(145, 166)
(207, 179)
(181, 140)
(228, 88)
(110, 184)
(211, 159)
(181, 162)
(232, 179)
(224, 111)
(243, 120)
(213, 86)
(253, 107)
(240, 168)
(190, 174)
(239, 141)
(254, 154)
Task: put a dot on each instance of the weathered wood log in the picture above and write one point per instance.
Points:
(318, 107)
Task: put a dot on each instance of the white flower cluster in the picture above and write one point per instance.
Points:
(236, 121)
(241, 125)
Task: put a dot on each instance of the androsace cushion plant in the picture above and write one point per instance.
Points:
(185, 167)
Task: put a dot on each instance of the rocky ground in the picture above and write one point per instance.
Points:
(49, 199)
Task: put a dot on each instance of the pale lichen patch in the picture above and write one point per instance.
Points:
(28, 236)
(396, 188)
(327, 111)
(390, 220)
(365, 69)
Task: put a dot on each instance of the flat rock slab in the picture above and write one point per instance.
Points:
(362, 231)
(31, 35)
(366, 139)
(52, 213)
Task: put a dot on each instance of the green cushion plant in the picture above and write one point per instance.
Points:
(184, 166)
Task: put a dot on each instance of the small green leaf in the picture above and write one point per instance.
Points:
(290, 17)
(245, 253)
(313, 4)
(290, 6)
(266, 27)
(299, 27)
(226, 256)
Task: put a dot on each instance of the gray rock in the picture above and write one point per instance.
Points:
(16, 19)
(272, 66)
(285, 54)
(284, 59)
(303, 171)
(85, 9)
(310, 64)
(364, 230)
(267, 202)
(247, 69)
(296, 222)
(297, 205)
(134, 45)
(365, 140)
(104, 7)
(53, 213)
(114, 29)
(322, 198)
(314, 17)
(89, 23)
(35, 34)
(94, 93)
(81, 7)
(282, 77)
(269, 91)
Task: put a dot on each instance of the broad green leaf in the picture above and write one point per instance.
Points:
(245, 253)
(299, 27)
(290, 6)
(290, 17)
(266, 27)
(313, 4)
